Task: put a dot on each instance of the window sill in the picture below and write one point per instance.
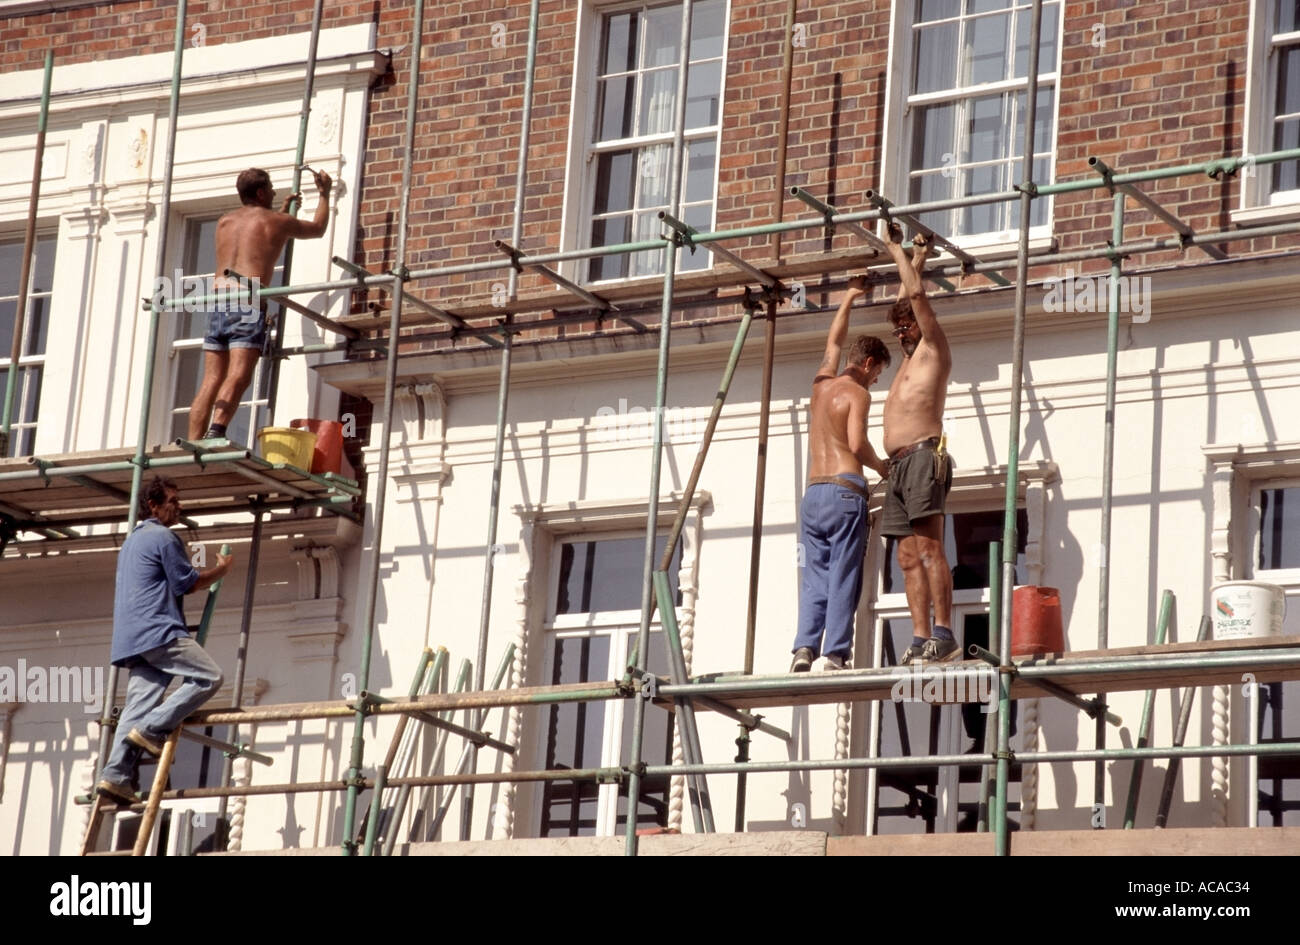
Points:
(1261, 216)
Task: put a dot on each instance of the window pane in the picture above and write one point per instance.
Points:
(656, 177)
(700, 217)
(656, 746)
(707, 29)
(989, 123)
(200, 247)
(1288, 80)
(1042, 121)
(31, 396)
(606, 575)
(699, 170)
(1279, 528)
(703, 84)
(936, 58)
(984, 218)
(43, 265)
(189, 367)
(651, 261)
(615, 186)
(609, 232)
(658, 101)
(1288, 16)
(1286, 174)
(38, 326)
(663, 28)
(614, 108)
(1046, 42)
(11, 255)
(939, 9)
(984, 6)
(7, 310)
(933, 186)
(987, 40)
(933, 145)
(575, 736)
(620, 43)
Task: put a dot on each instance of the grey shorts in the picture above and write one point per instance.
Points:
(917, 488)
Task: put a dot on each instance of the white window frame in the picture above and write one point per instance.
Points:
(26, 361)
(1289, 580)
(580, 176)
(620, 626)
(1258, 202)
(899, 101)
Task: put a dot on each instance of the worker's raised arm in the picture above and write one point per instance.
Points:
(314, 228)
(840, 327)
(912, 287)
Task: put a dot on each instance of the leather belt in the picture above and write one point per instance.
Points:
(842, 483)
(906, 451)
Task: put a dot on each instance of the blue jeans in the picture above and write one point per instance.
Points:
(151, 673)
(235, 326)
(832, 533)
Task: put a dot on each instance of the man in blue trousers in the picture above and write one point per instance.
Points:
(150, 637)
(833, 514)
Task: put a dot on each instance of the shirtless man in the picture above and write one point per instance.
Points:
(833, 514)
(920, 471)
(249, 241)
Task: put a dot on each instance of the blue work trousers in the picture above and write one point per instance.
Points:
(832, 533)
(151, 673)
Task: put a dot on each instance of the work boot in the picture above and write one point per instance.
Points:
(143, 742)
(803, 660)
(940, 651)
(121, 793)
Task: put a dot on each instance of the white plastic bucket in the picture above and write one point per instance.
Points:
(1244, 609)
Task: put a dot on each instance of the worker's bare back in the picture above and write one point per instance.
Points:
(836, 402)
(914, 407)
(249, 241)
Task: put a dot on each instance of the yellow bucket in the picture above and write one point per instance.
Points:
(286, 445)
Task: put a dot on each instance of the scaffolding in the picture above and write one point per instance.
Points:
(51, 497)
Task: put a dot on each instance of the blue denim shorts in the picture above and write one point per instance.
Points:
(235, 326)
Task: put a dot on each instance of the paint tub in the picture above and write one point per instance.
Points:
(327, 456)
(285, 445)
(1245, 609)
(1036, 627)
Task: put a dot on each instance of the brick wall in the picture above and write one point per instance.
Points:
(1166, 86)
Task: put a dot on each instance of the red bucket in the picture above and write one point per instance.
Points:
(1036, 627)
(328, 455)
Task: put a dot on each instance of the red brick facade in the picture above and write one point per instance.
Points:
(1166, 87)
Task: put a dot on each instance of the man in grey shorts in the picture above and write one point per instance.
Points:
(249, 241)
(920, 470)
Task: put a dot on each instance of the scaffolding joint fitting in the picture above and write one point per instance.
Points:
(1029, 187)
(613, 777)
(638, 769)
(402, 272)
(1007, 756)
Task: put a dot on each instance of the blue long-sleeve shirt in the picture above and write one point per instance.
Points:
(153, 574)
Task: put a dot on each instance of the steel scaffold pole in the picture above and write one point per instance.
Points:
(25, 266)
(141, 460)
(661, 388)
(1027, 192)
(349, 845)
(300, 154)
(503, 395)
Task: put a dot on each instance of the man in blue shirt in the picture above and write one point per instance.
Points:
(150, 637)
